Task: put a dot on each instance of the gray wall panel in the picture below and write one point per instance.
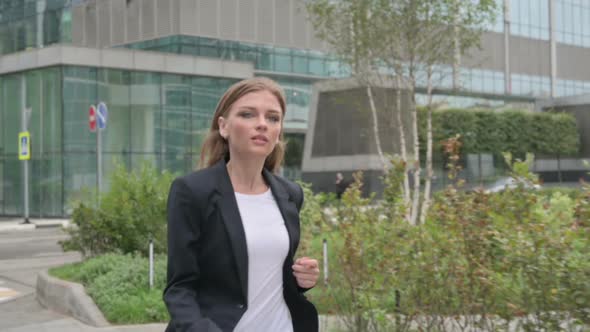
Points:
(78, 25)
(208, 18)
(90, 25)
(148, 26)
(314, 42)
(118, 8)
(491, 54)
(163, 18)
(529, 57)
(104, 23)
(228, 19)
(247, 20)
(573, 63)
(283, 22)
(300, 26)
(132, 16)
(265, 21)
(189, 23)
(175, 17)
(350, 109)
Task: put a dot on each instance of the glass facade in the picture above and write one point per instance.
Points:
(530, 18)
(480, 80)
(274, 61)
(528, 85)
(43, 96)
(264, 57)
(28, 24)
(573, 22)
(498, 24)
(572, 87)
(161, 118)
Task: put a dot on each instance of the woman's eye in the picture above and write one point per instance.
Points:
(274, 118)
(246, 114)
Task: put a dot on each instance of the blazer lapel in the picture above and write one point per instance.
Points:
(233, 223)
(287, 208)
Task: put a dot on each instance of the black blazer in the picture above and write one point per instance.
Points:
(207, 287)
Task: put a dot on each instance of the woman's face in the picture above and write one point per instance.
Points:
(253, 124)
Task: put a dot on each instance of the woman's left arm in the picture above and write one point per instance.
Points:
(306, 270)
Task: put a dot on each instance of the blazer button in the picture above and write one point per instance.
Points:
(240, 306)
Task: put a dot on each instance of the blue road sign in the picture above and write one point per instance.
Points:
(101, 115)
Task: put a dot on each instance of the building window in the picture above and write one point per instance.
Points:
(528, 85)
(529, 18)
(573, 22)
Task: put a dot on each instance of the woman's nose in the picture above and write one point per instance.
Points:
(262, 124)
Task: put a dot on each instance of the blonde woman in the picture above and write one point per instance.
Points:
(233, 226)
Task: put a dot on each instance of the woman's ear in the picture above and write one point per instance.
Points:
(222, 123)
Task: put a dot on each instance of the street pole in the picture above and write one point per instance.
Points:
(99, 160)
(24, 124)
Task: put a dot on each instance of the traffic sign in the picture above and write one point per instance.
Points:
(24, 146)
(101, 115)
(92, 118)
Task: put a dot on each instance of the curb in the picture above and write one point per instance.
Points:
(10, 226)
(68, 298)
(17, 227)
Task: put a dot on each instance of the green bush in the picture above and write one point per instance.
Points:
(480, 262)
(119, 285)
(130, 213)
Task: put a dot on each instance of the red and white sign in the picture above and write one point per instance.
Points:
(92, 118)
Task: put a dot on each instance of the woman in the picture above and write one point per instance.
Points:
(233, 227)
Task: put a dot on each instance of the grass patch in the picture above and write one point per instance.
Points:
(119, 286)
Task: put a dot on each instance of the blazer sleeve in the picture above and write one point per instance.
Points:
(180, 294)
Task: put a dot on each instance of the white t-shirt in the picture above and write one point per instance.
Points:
(268, 246)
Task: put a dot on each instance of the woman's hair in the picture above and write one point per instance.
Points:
(216, 147)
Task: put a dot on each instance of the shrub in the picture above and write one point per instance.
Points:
(480, 262)
(130, 213)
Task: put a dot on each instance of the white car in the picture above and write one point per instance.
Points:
(509, 183)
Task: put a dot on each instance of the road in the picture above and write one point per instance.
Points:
(22, 255)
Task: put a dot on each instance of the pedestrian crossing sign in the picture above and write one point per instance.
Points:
(24, 146)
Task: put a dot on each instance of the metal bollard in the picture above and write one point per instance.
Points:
(151, 264)
(325, 261)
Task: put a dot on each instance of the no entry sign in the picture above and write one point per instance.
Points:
(92, 118)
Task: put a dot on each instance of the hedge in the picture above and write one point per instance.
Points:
(518, 132)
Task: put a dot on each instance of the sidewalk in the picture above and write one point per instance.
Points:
(16, 224)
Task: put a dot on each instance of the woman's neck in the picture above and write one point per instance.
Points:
(246, 177)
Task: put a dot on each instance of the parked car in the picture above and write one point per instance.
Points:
(509, 183)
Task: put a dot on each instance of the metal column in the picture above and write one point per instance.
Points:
(552, 42)
(507, 79)
(24, 124)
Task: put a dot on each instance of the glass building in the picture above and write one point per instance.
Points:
(161, 65)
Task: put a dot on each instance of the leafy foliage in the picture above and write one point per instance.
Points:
(131, 213)
(480, 261)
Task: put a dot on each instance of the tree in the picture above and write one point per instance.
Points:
(403, 43)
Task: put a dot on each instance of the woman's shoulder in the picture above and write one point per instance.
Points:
(292, 188)
(199, 182)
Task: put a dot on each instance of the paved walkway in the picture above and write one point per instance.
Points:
(24, 251)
